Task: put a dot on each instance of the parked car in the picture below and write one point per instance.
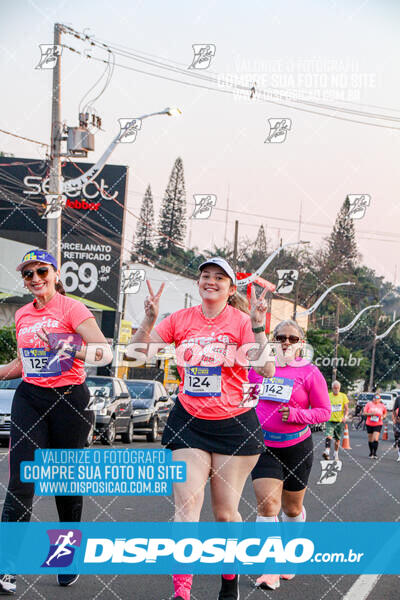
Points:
(151, 406)
(112, 405)
(7, 391)
(386, 397)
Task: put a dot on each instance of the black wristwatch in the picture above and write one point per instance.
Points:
(258, 329)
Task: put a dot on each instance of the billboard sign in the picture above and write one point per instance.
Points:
(92, 224)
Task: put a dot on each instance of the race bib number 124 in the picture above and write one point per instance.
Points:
(203, 381)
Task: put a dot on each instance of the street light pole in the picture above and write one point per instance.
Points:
(53, 242)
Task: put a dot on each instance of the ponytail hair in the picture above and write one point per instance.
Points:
(240, 302)
(60, 288)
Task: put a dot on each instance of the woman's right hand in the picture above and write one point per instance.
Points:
(152, 301)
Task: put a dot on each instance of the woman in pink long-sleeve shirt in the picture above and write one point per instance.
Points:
(296, 397)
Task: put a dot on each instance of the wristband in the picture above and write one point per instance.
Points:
(258, 329)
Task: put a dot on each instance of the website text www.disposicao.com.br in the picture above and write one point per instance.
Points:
(248, 551)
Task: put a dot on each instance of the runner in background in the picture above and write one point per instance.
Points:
(375, 412)
(49, 408)
(209, 428)
(288, 403)
(396, 426)
(335, 425)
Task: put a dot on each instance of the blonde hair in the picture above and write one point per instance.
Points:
(240, 302)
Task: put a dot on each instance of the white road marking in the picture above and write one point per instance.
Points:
(362, 587)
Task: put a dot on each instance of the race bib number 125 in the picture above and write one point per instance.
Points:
(39, 362)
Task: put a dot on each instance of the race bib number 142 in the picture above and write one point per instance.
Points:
(278, 389)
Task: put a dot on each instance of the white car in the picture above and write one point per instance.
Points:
(388, 400)
(386, 397)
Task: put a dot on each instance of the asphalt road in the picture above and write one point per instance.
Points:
(365, 490)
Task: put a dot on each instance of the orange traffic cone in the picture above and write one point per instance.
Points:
(385, 432)
(346, 438)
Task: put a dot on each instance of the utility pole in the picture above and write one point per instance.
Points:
(372, 372)
(226, 217)
(235, 247)
(300, 217)
(296, 298)
(55, 182)
(334, 371)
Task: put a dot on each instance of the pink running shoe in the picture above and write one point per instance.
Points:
(268, 582)
(287, 577)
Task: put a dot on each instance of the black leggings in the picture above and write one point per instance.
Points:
(44, 418)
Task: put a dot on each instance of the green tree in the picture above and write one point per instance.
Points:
(144, 238)
(350, 365)
(387, 356)
(8, 344)
(172, 222)
(261, 241)
(342, 254)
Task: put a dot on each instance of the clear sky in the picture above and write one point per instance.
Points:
(347, 48)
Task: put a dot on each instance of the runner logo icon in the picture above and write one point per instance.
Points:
(278, 129)
(63, 543)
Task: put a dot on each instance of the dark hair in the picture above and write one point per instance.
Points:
(59, 286)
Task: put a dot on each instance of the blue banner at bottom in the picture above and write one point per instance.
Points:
(151, 548)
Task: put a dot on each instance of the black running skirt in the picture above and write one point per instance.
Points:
(240, 435)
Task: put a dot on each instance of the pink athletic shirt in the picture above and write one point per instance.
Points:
(309, 390)
(379, 411)
(189, 326)
(62, 315)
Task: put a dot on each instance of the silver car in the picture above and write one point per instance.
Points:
(7, 391)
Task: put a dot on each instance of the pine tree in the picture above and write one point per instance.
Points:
(261, 241)
(144, 238)
(172, 221)
(342, 251)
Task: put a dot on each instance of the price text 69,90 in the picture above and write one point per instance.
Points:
(83, 277)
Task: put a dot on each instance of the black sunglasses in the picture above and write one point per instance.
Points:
(29, 273)
(293, 339)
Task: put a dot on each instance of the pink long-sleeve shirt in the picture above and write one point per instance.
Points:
(309, 403)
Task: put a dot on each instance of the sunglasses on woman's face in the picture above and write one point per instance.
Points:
(40, 271)
(292, 339)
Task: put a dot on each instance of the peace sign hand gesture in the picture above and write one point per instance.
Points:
(151, 302)
(258, 308)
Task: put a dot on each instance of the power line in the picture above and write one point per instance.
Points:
(191, 84)
(198, 76)
(284, 219)
(21, 137)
